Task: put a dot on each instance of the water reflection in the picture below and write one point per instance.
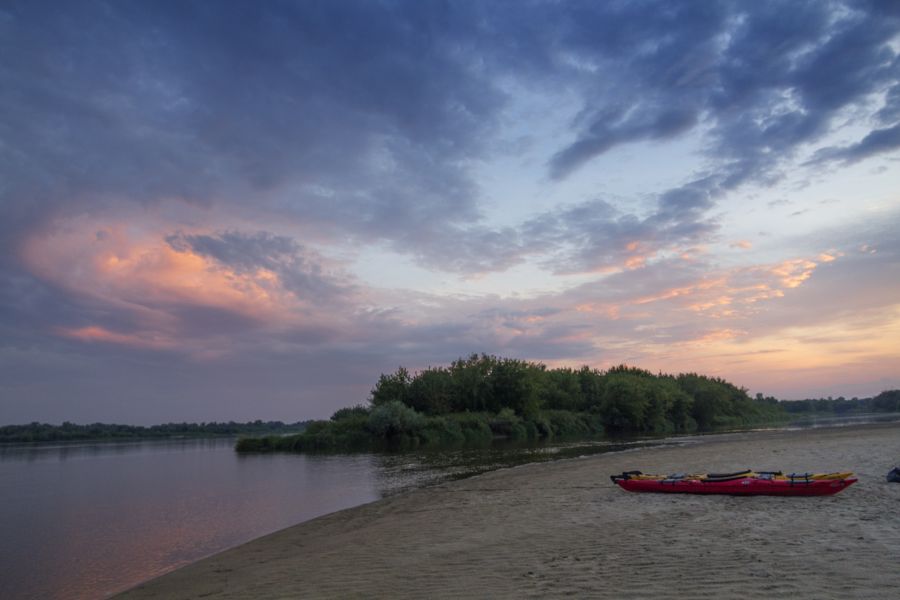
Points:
(86, 520)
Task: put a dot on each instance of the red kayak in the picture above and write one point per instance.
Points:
(745, 483)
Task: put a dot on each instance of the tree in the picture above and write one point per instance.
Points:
(625, 402)
(431, 392)
(513, 385)
(393, 387)
(471, 390)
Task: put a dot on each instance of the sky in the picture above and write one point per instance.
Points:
(242, 210)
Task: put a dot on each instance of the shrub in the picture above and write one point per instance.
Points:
(507, 424)
(474, 427)
(394, 419)
(351, 412)
(440, 431)
(564, 423)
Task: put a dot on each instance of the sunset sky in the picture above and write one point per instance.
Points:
(242, 210)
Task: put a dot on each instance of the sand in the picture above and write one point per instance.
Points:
(562, 529)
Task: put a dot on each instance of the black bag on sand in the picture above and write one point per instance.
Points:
(894, 475)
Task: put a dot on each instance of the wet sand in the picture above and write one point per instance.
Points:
(562, 528)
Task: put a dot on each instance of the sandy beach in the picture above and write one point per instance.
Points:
(563, 529)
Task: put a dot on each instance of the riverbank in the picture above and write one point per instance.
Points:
(562, 528)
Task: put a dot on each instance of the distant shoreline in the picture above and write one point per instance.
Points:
(827, 420)
(37, 433)
(561, 528)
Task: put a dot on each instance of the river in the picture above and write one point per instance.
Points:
(88, 520)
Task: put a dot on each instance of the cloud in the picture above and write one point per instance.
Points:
(363, 119)
(95, 333)
(591, 236)
(765, 80)
(101, 101)
(602, 136)
(672, 314)
(193, 293)
(596, 236)
(270, 256)
(890, 112)
(668, 309)
(185, 186)
(879, 141)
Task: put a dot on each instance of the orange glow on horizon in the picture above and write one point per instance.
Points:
(95, 333)
(804, 358)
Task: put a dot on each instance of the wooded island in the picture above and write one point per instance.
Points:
(483, 397)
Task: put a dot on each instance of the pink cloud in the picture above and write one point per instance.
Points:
(157, 288)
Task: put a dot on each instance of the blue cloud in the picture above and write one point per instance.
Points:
(382, 105)
(876, 142)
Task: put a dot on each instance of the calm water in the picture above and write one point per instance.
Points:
(88, 520)
(85, 521)
(815, 421)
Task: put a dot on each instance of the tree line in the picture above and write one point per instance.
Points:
(44, 432)
(479, 398)
(886, 401)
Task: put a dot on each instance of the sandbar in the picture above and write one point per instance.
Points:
(563, 529)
